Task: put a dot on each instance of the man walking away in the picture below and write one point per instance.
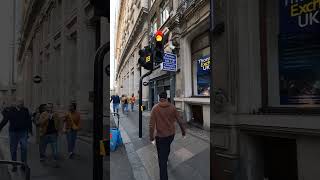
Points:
(133, 101)
(20, 122)
(116, 102)
(72, 128)
(49, 128)
(162, 121)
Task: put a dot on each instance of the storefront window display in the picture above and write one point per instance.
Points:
(201, 65)
(296, 36)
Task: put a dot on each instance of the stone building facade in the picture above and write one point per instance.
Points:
(185, 25)
(11, 20)
(267, 126)
(59, 40)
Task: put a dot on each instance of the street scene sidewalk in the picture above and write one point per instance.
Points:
(188, 159)
(4, 173)
(79, 168)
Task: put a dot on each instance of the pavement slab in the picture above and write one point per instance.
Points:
(189, 158)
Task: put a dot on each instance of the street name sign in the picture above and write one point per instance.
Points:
(169, 62)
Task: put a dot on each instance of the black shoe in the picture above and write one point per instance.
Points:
(71, 156)
(23, 168)
(14, 169)
(42, 158)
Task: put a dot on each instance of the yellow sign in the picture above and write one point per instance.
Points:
(148, 58)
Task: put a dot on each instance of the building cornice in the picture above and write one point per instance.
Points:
(139, 22)
(34, 8)
(188, 8)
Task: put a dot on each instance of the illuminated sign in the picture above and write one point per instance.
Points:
(204, 63)
(148, 58)
(299, 16)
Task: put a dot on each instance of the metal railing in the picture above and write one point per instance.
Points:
(16, 163)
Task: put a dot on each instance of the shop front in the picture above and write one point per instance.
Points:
(200, 51)
(156, 86)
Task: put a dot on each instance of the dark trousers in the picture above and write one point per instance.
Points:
(163, 147)
(51, 139)
(71, 139)
(17, 138)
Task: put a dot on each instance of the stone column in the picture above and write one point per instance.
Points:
(84, 74)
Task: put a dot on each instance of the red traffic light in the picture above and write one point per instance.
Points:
(159, 35)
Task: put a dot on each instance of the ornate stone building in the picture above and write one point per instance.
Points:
(59, 40)
(11, 19)
(267, 127)
(186, 32)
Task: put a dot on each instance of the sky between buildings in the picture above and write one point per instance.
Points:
(114, 4)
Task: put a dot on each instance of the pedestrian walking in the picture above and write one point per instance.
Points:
(49, 129)
(162, 130)
(72, 126)
(20, 125)
(36, 121)
(122, 103)
(132, 101)
(126, 102)
(115, 99)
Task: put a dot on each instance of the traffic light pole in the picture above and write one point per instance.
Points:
(98, 111)
(140, 101)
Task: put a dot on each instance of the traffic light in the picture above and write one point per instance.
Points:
(158, 49)
(142, 56)
(146, 58)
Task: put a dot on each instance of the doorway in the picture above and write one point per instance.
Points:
(280, 158)
(197, 115)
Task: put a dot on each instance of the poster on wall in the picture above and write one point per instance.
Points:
(299, 16)
(203, 76)
(299, 52)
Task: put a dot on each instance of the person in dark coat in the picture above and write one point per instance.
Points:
(20, 125)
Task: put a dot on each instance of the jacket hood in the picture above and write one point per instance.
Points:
(164, 103)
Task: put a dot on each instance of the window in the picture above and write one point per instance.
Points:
(293, 55)
(154, 26)
(201, 65)
(164, 10)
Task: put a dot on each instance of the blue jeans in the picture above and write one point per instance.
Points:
(115, 107)
(71, 139)
(15, 139)
(51, 139)
(132, 106)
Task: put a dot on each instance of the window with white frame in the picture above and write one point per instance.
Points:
(154, 26)
(200, 50)
(164, 12)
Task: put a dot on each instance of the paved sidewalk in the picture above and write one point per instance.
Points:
(189, 158)
(79, 168)
(120, 168)
(4, 173)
